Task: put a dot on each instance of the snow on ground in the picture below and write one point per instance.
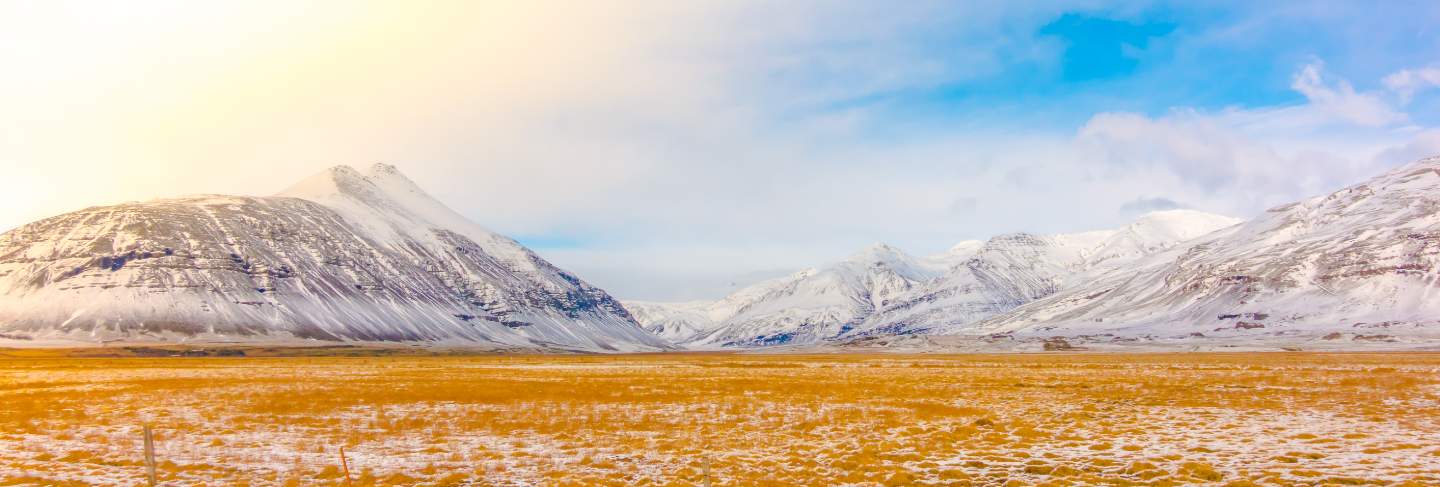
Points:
(836, 419)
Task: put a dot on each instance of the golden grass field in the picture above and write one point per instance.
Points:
(1051, 419)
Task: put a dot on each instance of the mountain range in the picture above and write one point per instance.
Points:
(352, 257)
(884, 291)
(1358, 266)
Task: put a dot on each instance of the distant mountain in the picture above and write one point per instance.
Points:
(676, 322)
(1011, 270)
(341, 256)
(816, 304)
(882, 290)
(1360, 264)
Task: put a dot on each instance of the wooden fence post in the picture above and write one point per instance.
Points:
(707, 470)
(345, 466)
(149, 455)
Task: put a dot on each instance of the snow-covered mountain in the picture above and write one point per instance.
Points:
(1011, 270)
(1359, 264)
(816, 304)
(339, 256)
(676, 322)
(883, 290)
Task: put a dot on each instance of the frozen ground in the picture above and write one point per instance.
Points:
(1267, 418)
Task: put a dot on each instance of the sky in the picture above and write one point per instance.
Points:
(680, 150)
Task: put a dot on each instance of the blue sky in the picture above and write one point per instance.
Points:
(680, 150)
(1072, 63)
(1047, 73)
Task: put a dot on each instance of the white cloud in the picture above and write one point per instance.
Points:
(1218, 165)
(1341, 102)
(1238, 161)
(1407, 82)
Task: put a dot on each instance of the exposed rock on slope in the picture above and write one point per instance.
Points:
(340, 256)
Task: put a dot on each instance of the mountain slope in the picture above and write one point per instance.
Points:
(687, 321)
(1360, 262)
(814, 304)
(1011, 270)
(340, 256)
(882, 290)
(676, 322)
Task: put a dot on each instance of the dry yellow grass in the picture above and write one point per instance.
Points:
(1053, 419)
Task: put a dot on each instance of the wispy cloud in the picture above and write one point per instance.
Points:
(1407, 82)
(1340, 102)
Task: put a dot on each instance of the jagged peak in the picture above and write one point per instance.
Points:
(381, 182)
(343, 170)
(382, 169)
(389, 178)
(1013, 237)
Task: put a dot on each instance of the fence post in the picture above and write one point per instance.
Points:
(344, 465)
(707, 470)
(149, 455)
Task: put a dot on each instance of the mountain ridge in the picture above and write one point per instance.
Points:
(883, 290)
(1358, 263)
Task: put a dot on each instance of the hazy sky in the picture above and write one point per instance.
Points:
(678, 149)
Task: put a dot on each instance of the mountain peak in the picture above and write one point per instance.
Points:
(878, 251)
(1179, 214)
(1178, 225)
(1014, 238)
(336, 180)
(381, 169)
(393, 182)
(966, 246)
(343, 170)
(380, 183)
(880, 247)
